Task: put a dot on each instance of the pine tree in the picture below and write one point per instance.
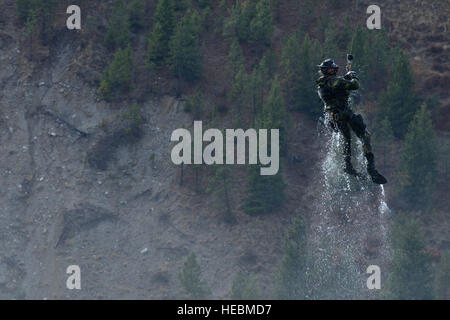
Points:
(136, 11)
(117, 77)
(221, 185)
(261, 27)
(238, 92)
(399, 103)
(372, 59)
(236, 58)
(291, 281)
(265, 194)
(237, 25)
(383, 137)
(195, 104)
(118, 33)
(274, 113)
(190, 278)
(411, 275)
(299, 68)
(185, 48)
(31, 31)
(244, 287)
(40, 13)
(159, 39)
(417, 167)
(256, 86)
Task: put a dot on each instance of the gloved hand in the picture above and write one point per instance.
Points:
(350, 75)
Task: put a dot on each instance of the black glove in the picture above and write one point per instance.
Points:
(350, 75)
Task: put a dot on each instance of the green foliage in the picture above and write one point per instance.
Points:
(291, 282)
(244, 287)
(118, 32)
(136, 11)
(265, 193)
(261, 27)
(221, 188)
(237, 25)
(236, 58)
(372, 59)
(117, 77)
(411, 275)
(274, 110)
(190, 278)
(239, 90)
(273, 114)
(337, 40)
(40, 8)
(36, 16)
(162, 32)
(417, 168)
(399, 102)
(250, 21)
(258, 82)
(195, 104)
(383, 137)
(442, 280)
(186, 55)
(134, 114)
(298, 61)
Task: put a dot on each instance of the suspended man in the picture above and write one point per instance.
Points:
(334, 92)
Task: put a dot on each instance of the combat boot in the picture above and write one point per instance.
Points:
(374, 174)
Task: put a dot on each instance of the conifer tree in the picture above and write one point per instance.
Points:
(383, 137)
(399, 103)
(163, 28)
(411, 275)
(291, 281)
(261, 27)
(136, 11)
(118, 33)
(237, 25)
(117, 77)
(190, 278)
(299, 60)
(236, 58)
(256, 86)
(238, 92)
(244, 287)
(222, 189)
(38, 15)
(274, 110)
(265, 194)
(185, 48)
(417, 168)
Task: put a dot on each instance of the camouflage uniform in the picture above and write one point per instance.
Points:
(334, 92)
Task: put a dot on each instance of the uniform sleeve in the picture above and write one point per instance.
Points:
(341, 83)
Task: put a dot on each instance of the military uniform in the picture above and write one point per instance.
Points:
(334, 91)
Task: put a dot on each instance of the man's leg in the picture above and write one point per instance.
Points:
(359, 127)
(345, 131)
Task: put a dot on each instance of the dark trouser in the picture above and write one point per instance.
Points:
(346, 121)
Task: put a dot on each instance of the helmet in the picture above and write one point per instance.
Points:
(328, 67)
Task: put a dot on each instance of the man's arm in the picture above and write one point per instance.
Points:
(345, 84)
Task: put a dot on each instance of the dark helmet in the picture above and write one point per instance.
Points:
(328, 66)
